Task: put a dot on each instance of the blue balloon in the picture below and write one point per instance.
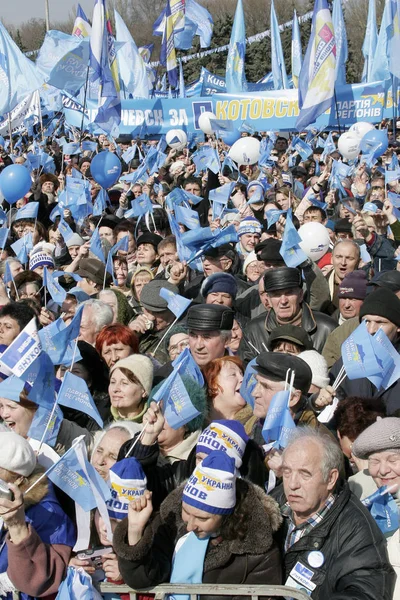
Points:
(375, 141)
(15, 182)
(229, 137)
(105, 168)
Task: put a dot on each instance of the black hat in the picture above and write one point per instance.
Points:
(268, 251)
(282, 278)
(274, 366)
(223, 250)
(149, 238)
(291, 333)
(94, 269)
(388, 279)
(383, 303)
(342, 225)
(150, 297)
(110, 221)
(209, 317)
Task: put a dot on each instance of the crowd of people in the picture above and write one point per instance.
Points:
(209, 501)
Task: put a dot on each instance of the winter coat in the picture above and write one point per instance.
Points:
(37, 565)
(355, 564)
(252, 560)
(258, 331)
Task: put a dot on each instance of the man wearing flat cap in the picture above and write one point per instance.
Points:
(284, 290)
(380, 310)
(152, 325)
(379, 444)
(271, 369)
(210, 327)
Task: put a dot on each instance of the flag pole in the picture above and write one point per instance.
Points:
(162, 339)
(84, 102)
(337, 111)
(47, 14)
(9, 132)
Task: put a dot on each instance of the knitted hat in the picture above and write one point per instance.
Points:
(44, 248)
(74, 240)
(382, 435)
(251, 257)
(226, 435)
(40, 259)
(140, 366)
(128, 482)
(212, 486)
(383, 303)
(249, 225)
(318, 366)
(16, 454)
(219, 282)
(354, 285)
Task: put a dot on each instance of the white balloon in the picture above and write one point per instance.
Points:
(204, 122)
(314, 240)
(361, 128)
(349, 145)
(176, 138)
(245, 151)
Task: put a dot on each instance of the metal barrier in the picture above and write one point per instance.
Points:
(255, 591)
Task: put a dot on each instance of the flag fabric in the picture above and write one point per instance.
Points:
(132, 68)
(302, 148)
(279, 425)
(277, 60)
(108, 117)
(182, 90)
(385, 362)
(40, 380)
(46, 420)
(383, 509)
(200, 16)
(129, 154)
(296, 54)
(11, 388)
(358, 355)
(249, 383)
(178, 408)
(22, 247)
(65, 230)
(177, 304)
(222, 193)
(380, 64)
(317, 76)
(290, 250)
(188, 366)
(168, 53)
(95, 245)
(394, 40)
(370, 42)
(22, 351)
(187, 217)
(82, 28)
(65, 338)
(7, 277)
(392, 373)
(140, 206)
(235, 73)
(77, 477)
(339, 28)
(74, 393)
(18, 75)
(55, 290)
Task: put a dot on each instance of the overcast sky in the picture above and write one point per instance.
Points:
(18, 11)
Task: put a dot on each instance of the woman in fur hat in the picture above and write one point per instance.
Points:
(215, 529)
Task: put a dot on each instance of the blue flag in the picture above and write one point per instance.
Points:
(22, 247)
(55, 290)
(22, 351)
(249, 383)
(370, 42)
(95, 245)
(223, 193)
(302, 148)
(140, 206)
(129, 154)
(187, 217)
(296, 54)
(74, 393)
(77, 477)
(11, 388)
(277, 60)
(290, 250)
(40, 378)
(168, 53)
(392, 374)
(339, 28)
(29, 211)
(383, 509)
(177, 304)
(7, 277)
(317, 76)
(235, 72)
(358, 354)
(178, 408)
(188, 367)
(279, 425)
(132, 68)
(380, 64)
(45, 420)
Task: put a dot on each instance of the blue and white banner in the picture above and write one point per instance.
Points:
(29, 107)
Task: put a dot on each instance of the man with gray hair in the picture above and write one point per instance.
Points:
(96, 315)
(332, 547)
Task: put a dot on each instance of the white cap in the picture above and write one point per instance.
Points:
(16, 454)
(318, 366)
(251, 257)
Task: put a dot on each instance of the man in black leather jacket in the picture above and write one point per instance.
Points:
(284, 290)
(333, 549)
